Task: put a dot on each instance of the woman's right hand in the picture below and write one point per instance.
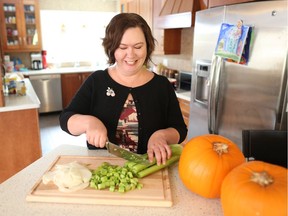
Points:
(96, 133)
(95, 130)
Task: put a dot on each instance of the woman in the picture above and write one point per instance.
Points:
(125, 103)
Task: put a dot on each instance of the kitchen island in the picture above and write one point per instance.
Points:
(20, 134)
(13, 194)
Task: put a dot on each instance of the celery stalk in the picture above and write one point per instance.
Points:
(144, 170)
(156, 168)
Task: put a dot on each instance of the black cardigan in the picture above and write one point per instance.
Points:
(156, 103)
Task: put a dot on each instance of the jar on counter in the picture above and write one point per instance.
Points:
(21, 88)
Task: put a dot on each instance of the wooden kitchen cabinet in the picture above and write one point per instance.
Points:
(203, 4)
(172, 17)
(2, 100)
(70, 83)
(20, 26)
(141, 7)
(20, 141)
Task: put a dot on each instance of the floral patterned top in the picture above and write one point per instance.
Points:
(127, 129)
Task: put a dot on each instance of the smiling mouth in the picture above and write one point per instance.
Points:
(131, 62)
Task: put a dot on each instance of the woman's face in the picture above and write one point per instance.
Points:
(132, 51)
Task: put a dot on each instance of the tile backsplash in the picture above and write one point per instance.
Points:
(182, 61)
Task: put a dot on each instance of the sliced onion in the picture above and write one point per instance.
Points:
(69, 177)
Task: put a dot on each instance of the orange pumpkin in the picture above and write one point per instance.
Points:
(255, 188)
(205, 161)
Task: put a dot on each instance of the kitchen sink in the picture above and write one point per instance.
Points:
(75, 64)
(75, 67)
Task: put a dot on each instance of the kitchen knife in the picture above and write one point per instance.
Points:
(127, 155)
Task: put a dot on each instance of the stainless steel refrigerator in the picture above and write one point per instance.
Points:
(227, 97)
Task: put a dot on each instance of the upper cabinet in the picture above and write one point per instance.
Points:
(20, 26)
(203, 4)
(141, 7)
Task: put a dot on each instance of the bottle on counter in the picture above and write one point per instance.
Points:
(44, 60)
(5, 87)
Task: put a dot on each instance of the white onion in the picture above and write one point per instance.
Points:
(69, 177)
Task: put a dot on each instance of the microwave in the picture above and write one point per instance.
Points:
(184, 81)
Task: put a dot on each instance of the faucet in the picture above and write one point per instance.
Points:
(76, 64)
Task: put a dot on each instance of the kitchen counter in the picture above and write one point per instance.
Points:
(28, 101)
(20, 134)
(185, 95)
(13, 193)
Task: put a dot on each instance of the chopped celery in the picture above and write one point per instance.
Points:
(114, 177)
(125, 178)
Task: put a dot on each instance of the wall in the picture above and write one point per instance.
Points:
(74, 36)
(83, 5)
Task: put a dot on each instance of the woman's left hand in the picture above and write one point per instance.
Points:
(158, 147)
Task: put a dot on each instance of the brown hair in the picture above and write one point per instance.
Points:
(116, 28)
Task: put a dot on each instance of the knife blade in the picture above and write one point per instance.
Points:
(125, 154)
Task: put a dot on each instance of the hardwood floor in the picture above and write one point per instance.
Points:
(52, 135)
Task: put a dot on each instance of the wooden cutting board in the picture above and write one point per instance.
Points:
(155, 192)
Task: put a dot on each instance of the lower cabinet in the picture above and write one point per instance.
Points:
(70, 83)
(185, 108)
(20, 141)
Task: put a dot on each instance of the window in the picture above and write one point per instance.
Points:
(74, 36)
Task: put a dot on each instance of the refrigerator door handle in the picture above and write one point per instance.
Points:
(213, 97)
(281, 117)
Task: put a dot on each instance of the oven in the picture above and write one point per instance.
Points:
(184, 81)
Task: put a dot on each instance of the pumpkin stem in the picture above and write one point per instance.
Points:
(262, 178)
(220, 148)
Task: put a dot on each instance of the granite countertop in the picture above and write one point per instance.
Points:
(28, 101)
(13, 194)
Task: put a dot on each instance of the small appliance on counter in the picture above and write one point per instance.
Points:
(36, 61)
(184, 80)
